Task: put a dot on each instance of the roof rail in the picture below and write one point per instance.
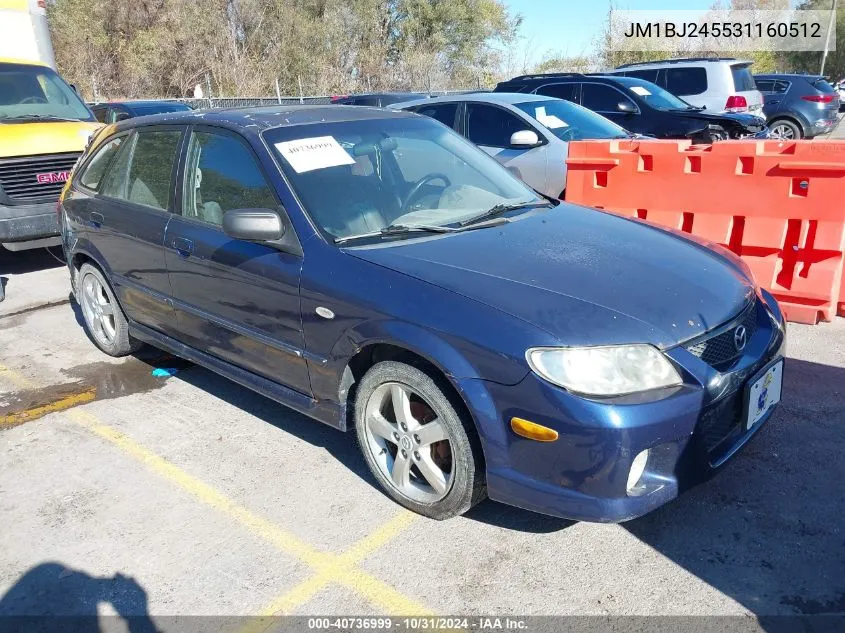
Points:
(541, 75)
(679, 60)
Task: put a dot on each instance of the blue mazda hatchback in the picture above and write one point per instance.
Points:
(375, 271)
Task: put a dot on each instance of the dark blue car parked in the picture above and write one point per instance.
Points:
(372, 269)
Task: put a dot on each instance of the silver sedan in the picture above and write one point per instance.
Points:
(528, 134)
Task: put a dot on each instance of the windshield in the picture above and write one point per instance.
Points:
(357, 177)
(33, 92)
(571, 122)
(657, 97)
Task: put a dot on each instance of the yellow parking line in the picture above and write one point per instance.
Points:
(329, 568)
(51, 407)
(345, 574)
(17, 379)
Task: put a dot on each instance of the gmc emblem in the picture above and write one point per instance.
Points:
(52, 176)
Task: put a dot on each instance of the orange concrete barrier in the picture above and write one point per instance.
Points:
(777, 204)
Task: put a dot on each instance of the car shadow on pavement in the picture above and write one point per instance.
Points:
(768, 531)
(51, 589)
(22, 262)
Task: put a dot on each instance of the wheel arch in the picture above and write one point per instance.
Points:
(375, 352)
(792, 118)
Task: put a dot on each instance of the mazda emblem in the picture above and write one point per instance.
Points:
(740, 338)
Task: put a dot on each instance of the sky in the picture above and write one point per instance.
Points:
(568, 27)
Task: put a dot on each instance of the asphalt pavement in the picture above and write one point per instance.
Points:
(124, 493)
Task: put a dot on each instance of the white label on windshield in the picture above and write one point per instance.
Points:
(549, 120)
(307, 154)
(643, 92)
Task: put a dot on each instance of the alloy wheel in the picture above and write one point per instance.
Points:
(409, 443)
(783, 131)
(98, 310)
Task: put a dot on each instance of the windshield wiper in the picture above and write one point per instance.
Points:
(401, 229)
(504, 208)
(35, 117)
(398, 229)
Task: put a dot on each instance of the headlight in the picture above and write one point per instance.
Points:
(604, 371)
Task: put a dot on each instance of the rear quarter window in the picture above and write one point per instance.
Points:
(743, 79)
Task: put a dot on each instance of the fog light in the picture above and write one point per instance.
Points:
(637, 469)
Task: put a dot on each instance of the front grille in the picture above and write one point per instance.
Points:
(20, 181)
(719, 350)
(720, 420)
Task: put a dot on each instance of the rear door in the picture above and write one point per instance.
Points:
(126, 219)
(490, 127)
(236, 300)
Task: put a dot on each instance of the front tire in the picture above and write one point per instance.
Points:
(419, 447)
(105, 322)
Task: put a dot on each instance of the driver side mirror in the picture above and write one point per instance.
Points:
(626, 106)
(525, 138)
(253, 225)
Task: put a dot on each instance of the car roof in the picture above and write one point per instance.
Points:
(788, 76)
(262, 118)
(732, 61)
(508, 98)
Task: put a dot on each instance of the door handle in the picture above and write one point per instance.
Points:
(182, 246)
(97, 219)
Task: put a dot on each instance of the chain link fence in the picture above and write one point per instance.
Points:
(241, 102)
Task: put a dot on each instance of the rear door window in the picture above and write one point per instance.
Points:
(443, 112)
(764, 85)
(142, 172)
(491, 126)
(568, 91)
(743, 79)
(691, 80)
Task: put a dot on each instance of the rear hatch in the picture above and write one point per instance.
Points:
(745, 97)
(824, 96)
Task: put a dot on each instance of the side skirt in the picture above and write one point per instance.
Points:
(321, 410)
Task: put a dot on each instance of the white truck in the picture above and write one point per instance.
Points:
(24, 35)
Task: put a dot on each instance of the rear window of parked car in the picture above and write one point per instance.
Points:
(822, 86)
(686, 81)
(743, 80)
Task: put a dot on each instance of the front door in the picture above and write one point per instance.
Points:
(236, 300)
(491, 127)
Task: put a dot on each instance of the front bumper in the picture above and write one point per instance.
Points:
(583, 474)
(29, 225)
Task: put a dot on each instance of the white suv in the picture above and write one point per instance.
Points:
(722, 84)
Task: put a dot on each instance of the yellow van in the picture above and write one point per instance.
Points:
(44, 126)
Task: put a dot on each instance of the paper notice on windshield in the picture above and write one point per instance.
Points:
(643, 92)
(549, 120)
(308, 154)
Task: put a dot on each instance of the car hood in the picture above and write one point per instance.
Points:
(585, 276)
(750, 122)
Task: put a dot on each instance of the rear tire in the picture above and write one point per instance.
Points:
(105, 322)
(785, 129)
(416, 442)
